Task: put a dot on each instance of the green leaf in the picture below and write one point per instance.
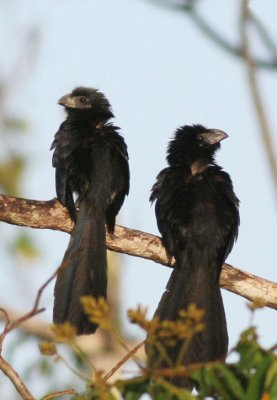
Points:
(231, 382)
(218, 384)
(271, 380)
(23, 246)
(256, 385)
(166, 390)
(251, 354)
(99, 394)
(133, 395)
(133, 389)
(11, 173)
(15, 124)
(203, 380)
(249, 335)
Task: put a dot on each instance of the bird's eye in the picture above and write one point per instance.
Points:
(82, 99)
(200, 140)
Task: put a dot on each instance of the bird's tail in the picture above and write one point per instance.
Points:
(83, 271)
(197, 283)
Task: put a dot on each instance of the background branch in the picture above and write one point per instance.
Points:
(256, 97)
(189, 7)
(52, 215)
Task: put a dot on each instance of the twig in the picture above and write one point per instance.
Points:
(83, 356)
(41, 289)
(52, 215)
(35, 309)
(10, 325)
(123, 360)
(123, 344)
(216, 37)
(36, 328)
(264, 34)
(5, 316)
(256, 95)
(58, 394)
(15, 379)
(72, 369)
(184, 370)
(7, 322)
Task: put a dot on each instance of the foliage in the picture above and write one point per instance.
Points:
(12, 167)
(252, 377)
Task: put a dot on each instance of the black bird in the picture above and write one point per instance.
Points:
(197, 215)
(91, 161)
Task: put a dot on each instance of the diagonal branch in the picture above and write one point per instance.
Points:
(15, 379)
(260, 110)
(52, 215)
(211, 32)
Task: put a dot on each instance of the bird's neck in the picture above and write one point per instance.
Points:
(88, 118)
(199, 166)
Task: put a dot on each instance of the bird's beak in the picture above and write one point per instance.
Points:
(215, 136)
(67, 101)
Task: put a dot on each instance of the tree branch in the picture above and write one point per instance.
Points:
(11, 325)
(255, 91)
(15, 379)
(189, 7)
(52, 215)
(59, 394)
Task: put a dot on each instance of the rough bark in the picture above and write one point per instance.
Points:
(52, 215)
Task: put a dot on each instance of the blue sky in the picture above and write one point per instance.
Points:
(159, 72)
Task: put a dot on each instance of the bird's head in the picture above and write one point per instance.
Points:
(87, 103)
(194, 143)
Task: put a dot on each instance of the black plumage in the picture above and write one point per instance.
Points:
(91, 161)
(197, 215)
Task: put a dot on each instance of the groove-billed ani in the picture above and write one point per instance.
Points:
(197, 215)
(91, 160)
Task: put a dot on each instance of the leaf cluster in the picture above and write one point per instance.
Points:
(252, 377)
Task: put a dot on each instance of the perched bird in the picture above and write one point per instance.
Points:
(197, 215)
(91, 161)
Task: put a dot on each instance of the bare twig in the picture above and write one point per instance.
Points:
(58, 394)
(35, 309)
(184, 370)
(124, 360)
(210, 32)
(10, 325)
(5, 315)
(37, 328)
(15, 379)
(254, 88)
(264, 34)
(52, 215)
(74, 371)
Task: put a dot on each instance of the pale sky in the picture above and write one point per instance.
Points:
(159, 72)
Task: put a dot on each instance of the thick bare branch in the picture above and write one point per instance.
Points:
(52, 215)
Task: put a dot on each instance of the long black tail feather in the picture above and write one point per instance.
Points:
(190, 283)
(83, 271)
